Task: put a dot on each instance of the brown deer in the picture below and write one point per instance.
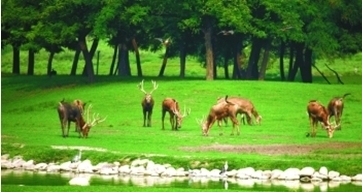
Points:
(147, 103)
(171, 106)
(246, 107)
(89, 123)
(335, 108)
(81, 105)
(68, 112)
(318, 113)
(217, 113)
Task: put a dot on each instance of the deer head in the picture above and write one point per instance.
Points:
(202, 123)
(89, 123)
(148, 96)
(179, 115)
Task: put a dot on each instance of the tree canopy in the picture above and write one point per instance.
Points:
(215, 31)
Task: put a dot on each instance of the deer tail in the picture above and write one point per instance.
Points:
(345, 95)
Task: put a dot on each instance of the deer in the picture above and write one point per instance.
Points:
(218, 112)
(318, 113)
(171, 106)
(69, 112)
(89, 123)
(147, 103)
(81, 105)
(246, 109)
(335, 108)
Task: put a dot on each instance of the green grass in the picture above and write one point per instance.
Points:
(30, 123)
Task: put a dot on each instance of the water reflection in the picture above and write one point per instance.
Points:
(13, 177)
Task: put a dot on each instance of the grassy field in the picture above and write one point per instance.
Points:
(30, 124)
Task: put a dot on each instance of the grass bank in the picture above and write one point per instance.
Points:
(30, 124)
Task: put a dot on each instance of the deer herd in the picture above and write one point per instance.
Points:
(224, 108)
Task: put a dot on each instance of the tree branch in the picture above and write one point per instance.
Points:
(320, 72)
(335, 72)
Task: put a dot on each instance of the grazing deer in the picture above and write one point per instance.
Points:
(318, 113)
(68, 112)
(171, 106)
(89, 123)
(218, 112)
(147, 103)
(335, 108)
(81, 105)
(246, 108)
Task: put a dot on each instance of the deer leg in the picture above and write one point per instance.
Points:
(235, 125)
(144, 118)
(149, 118)
(63, 123)
(163, 119)
(172, 121)
(311, 121)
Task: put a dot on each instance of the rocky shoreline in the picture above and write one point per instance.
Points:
(148, 168)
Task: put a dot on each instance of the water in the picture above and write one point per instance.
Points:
(13, 177)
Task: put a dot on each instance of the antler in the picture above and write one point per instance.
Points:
(155, 86)
(96, 119)
(140, 87)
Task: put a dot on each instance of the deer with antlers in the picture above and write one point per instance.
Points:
(89, 123)
(147, 103)
(318, 113)
(171, 106)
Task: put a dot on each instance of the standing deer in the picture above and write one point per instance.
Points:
(318, 113)
(218, 112)
(335, 108)
(69, 112)
(147, 103)
(245, 108)
(171, 106)
(89, 123)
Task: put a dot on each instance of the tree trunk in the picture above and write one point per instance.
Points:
(237, 46)
(226, 65)
(50, 62)
(164, 63)
(299, 59)
(264, 63)
(123, 63)
(31, 58)
(182, 60)
(209, 51)
(16, 59)
(87, 57)
(92, 52)
(306, 68)
(252, 70)
(75, 62)
(281, 61)
(138, 60)
(292, 68)
(114, 58)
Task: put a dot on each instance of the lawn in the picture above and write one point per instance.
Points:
(30, 126)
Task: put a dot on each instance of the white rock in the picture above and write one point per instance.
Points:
(5, 157)
(41, 166)
(276, 173)
(151, 166)
(65, 166)
(357, 177)
(323, 171)
(170, 172)
(139, 162)
(124, 169)
(249, 171)
(53, 168)
(215, 173)
(345, 178)
(333, 174)
(320, 176)
(140, 170)
(18, 163)
(307, 171)
(85, 167)
(81, 181)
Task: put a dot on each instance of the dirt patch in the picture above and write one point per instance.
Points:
(276, 149)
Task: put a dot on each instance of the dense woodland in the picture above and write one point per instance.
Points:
(215, 31)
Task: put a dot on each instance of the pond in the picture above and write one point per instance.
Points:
(14, 177)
